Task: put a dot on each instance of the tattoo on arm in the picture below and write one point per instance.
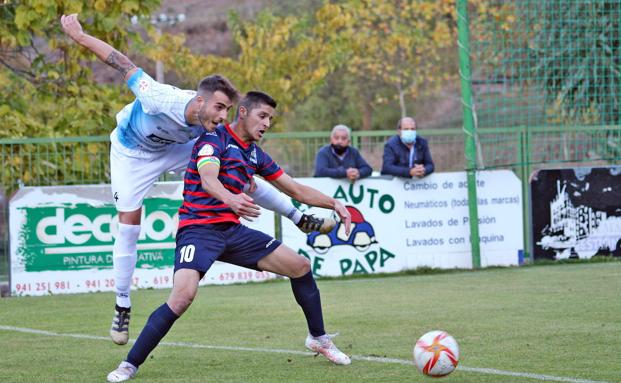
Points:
(120, 62)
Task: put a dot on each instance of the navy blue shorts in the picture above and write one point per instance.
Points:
(199, 246)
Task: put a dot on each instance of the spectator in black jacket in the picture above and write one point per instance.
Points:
(406, 154)
(339, 159)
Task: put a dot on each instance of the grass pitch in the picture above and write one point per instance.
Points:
(558, 323)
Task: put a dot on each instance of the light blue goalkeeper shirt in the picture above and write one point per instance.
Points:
(157, 117)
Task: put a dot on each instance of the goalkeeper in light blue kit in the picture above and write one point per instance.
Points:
(155, 134)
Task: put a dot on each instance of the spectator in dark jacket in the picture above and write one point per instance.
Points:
(406, 154)
(339, 159)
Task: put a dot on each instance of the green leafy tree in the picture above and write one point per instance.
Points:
(283, 56)
(46, 83)
(394, 49)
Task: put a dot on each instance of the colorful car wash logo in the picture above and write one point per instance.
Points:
(361, 236)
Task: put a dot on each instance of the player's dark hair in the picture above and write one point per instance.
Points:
(211, 84)
(255, 98)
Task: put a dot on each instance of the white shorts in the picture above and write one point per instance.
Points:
(133, 171)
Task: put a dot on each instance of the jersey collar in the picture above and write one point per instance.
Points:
(236, 137)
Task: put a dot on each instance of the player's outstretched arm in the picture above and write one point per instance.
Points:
(241, 204)
(105, 52)
(311, 196)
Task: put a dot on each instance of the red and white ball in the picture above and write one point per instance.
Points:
(436, 354)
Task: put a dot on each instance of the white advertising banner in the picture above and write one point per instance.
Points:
(400, 224)
(61, 240)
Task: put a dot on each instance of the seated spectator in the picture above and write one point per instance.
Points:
(339, 159)
(406, 155)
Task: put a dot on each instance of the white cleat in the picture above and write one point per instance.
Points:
(323, 345)
(125, 371)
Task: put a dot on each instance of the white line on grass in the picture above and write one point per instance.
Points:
(489, 371)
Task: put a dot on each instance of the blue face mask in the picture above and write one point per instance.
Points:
(408, 136)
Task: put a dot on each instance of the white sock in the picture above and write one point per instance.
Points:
(295, 216)
(124, 257)
(123, 271)
(126, 364)
(268, 197)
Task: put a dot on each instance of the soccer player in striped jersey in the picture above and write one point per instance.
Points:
(222, 163)
(155, 134)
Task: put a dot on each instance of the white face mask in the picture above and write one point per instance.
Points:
(408, 136)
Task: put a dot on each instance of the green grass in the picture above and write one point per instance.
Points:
(554, 320)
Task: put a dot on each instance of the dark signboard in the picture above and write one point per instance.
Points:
(576, 213)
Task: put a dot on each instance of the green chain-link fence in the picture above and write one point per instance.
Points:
(546, 82)
(549, 70)
(85, 160)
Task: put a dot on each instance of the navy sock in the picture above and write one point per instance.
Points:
(160, 321)
(307, 295)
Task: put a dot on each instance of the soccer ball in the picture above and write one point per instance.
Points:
(436, 354)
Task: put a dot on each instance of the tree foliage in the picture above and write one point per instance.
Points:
(381, 51)
(374, 53)
(47, 88)
(46, 80)
(283, 56)
(400, 44)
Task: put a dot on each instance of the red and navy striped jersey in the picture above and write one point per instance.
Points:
(238, 163)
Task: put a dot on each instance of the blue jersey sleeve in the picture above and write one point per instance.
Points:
(267, 167)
